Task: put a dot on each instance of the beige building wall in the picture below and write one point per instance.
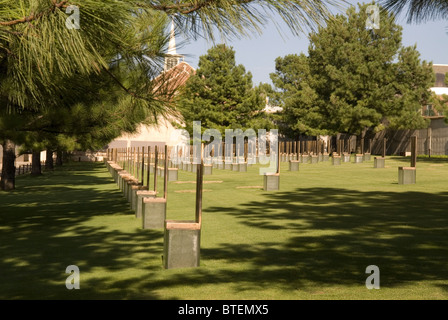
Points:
(162, 133)
(23, 159)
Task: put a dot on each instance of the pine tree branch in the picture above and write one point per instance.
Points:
(15, 33)
(118, 81)
(418, 10)
(121, 85)
(132, 93)
(185, 8)
(53, 131)
(35, 16)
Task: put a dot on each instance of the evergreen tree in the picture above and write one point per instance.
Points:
(221, 93)
(83, 122)
(354, 78)
(39, 56)
(293, 81)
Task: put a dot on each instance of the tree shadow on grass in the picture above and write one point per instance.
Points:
(46, 225)
(336, 233)
(332, 235)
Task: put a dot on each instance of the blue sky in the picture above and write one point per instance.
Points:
(258, 53)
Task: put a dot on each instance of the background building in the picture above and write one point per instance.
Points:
(175, 74)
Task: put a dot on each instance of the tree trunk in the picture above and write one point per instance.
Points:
(49, 164)
(59, 157)
(8, 181)
(65, 156)
(360, 141)
(36, 168)
(358, 148)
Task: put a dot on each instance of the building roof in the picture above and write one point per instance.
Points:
(176, 71)
(174, 78)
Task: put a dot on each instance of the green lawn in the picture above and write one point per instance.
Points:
(312, 239)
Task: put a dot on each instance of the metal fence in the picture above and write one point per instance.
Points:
(430, 141)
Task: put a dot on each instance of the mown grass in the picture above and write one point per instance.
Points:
(312, 239)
